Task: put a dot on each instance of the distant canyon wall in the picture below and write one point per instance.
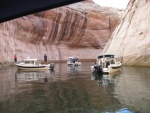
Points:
(80, 30)
(131, 39)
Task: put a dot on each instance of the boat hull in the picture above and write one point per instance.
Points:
(112, 68)
(42, 67)
(79, 63)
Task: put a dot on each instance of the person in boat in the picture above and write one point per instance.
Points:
(45, 58)
(103, 60)
(107, 62)
(112, 61)
(73, 61)
(15, 58)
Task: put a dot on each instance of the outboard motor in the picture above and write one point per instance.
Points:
(52, 66)
(98, 70)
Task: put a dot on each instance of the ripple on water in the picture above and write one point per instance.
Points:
(74, 90)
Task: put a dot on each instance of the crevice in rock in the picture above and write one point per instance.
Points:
(64, 26)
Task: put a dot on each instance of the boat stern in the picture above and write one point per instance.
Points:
(51, 66)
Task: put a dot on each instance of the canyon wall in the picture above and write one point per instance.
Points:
(131, 39)
(80, 30)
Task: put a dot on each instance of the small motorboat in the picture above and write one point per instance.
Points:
(73, 61)
(109, 63)
(34, 64)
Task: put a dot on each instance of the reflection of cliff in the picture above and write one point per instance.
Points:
(62, 92)
(133, 87)
(76, 95)
(7, 83)
(131, 38)
(74, 30)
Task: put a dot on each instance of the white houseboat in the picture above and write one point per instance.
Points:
(73, 61)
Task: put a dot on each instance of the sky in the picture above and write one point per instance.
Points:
(121, 4)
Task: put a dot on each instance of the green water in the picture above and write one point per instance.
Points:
(74, 90)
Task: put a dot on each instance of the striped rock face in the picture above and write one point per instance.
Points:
(80, 30)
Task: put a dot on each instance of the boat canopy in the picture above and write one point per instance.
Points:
(109, 56)
(32, 61)
(72, 58)
(29, 59)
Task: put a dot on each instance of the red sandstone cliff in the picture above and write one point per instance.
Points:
(80, 29)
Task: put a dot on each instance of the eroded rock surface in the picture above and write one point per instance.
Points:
(131, 39)
(80, 30)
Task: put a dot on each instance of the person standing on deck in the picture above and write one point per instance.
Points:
(15, 58)
(45, 58)
(103, 60)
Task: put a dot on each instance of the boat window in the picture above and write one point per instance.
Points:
(37, 62)
(117, 59)
(112, 61)
(27, 62)
(32, 62)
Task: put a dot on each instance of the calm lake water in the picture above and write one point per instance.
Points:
(71, 89)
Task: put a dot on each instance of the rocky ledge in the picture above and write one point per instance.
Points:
(80, 30)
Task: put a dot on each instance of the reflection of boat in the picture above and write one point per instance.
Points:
(73, 61)
(96, 75)
(33, 64)
(105, 79)
(29, 75)
(73, 69)
(109, 63)
(111, 76)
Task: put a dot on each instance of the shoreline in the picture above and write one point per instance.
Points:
(63, 61)
(7, 64)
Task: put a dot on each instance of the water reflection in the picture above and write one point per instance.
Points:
(72, 69)
(29, 76)
(133, 88)
(105, 79)
(60, 92)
